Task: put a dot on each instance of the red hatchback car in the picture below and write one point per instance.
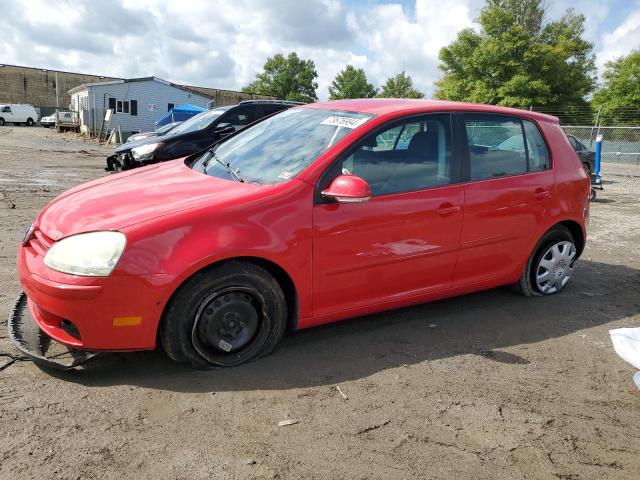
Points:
(319, 213)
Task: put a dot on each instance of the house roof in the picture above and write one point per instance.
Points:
(139, 79)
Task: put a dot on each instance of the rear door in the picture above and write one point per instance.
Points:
(402, 243)
(506, 197)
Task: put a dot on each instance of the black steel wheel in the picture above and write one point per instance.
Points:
(224, 316)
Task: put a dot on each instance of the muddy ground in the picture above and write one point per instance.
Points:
(486, 386)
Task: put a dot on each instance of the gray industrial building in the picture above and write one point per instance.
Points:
(50, 89)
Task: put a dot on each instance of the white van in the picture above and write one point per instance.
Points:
(16, 114)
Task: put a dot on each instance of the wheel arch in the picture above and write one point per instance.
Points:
(283, 278)
(577, 233)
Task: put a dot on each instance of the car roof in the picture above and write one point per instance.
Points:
(382, 106)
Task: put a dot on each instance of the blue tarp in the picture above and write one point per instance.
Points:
(179, 114)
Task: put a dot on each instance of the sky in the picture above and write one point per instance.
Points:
(223, 44)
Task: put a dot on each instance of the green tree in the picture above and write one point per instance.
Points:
(351, 83)
(399, 86)
(286, 78)
(517, 60)
(620, 91)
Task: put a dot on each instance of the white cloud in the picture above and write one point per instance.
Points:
(621, 41)
(223, 44)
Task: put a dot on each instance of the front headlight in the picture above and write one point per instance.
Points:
(144, 152)
(93, 254)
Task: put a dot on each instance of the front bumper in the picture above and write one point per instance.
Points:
(116, 313)
(37, 345)
(121, 161)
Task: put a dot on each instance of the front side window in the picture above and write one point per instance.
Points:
(413, 155)
(240, 117)
(6, 109)
(280, 147)
(503, 146)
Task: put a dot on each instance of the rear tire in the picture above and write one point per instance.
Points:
(224, 316)
(550, 266)
(29, 122)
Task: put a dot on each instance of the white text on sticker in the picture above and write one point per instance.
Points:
(347, 122)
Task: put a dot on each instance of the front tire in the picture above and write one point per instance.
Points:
(550, 266)
(224, 316)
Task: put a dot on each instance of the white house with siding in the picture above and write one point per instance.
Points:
(137, 103)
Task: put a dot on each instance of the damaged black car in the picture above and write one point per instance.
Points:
(193, 135)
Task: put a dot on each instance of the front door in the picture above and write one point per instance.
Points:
(402, 243)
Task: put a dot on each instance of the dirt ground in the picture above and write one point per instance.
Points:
(486, 386)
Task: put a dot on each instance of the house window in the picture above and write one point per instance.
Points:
(125, 107)
(134, 107)
(112, 104)
(170, 106)
(119, 106)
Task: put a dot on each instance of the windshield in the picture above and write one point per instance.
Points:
(200, 121)
(278, 148)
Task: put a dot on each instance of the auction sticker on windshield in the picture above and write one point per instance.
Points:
(348, 122)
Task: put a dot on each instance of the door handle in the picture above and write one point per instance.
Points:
(541, 194)
(447, 209)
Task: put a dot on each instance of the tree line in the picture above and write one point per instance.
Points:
(515, 58)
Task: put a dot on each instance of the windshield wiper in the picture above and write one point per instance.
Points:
(213, 156)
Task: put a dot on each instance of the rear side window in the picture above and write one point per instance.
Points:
(502, 146)
(269, 109)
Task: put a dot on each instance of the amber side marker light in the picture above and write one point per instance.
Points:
(127, 321)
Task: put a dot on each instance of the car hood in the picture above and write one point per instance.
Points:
(140, 136)
(117, 201)
(125, 147)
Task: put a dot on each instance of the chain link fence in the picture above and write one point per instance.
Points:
(619, 144)
(619, 127)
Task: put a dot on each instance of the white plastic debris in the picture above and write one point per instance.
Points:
(284, 423)
(626, 343)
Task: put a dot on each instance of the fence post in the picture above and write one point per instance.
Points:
(598, 159)
(597, 124)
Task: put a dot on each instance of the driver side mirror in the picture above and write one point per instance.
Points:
(223, 129)
(348, 189)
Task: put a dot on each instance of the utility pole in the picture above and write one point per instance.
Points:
(56, 91)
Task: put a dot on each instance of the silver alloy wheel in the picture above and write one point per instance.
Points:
(555, 267)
